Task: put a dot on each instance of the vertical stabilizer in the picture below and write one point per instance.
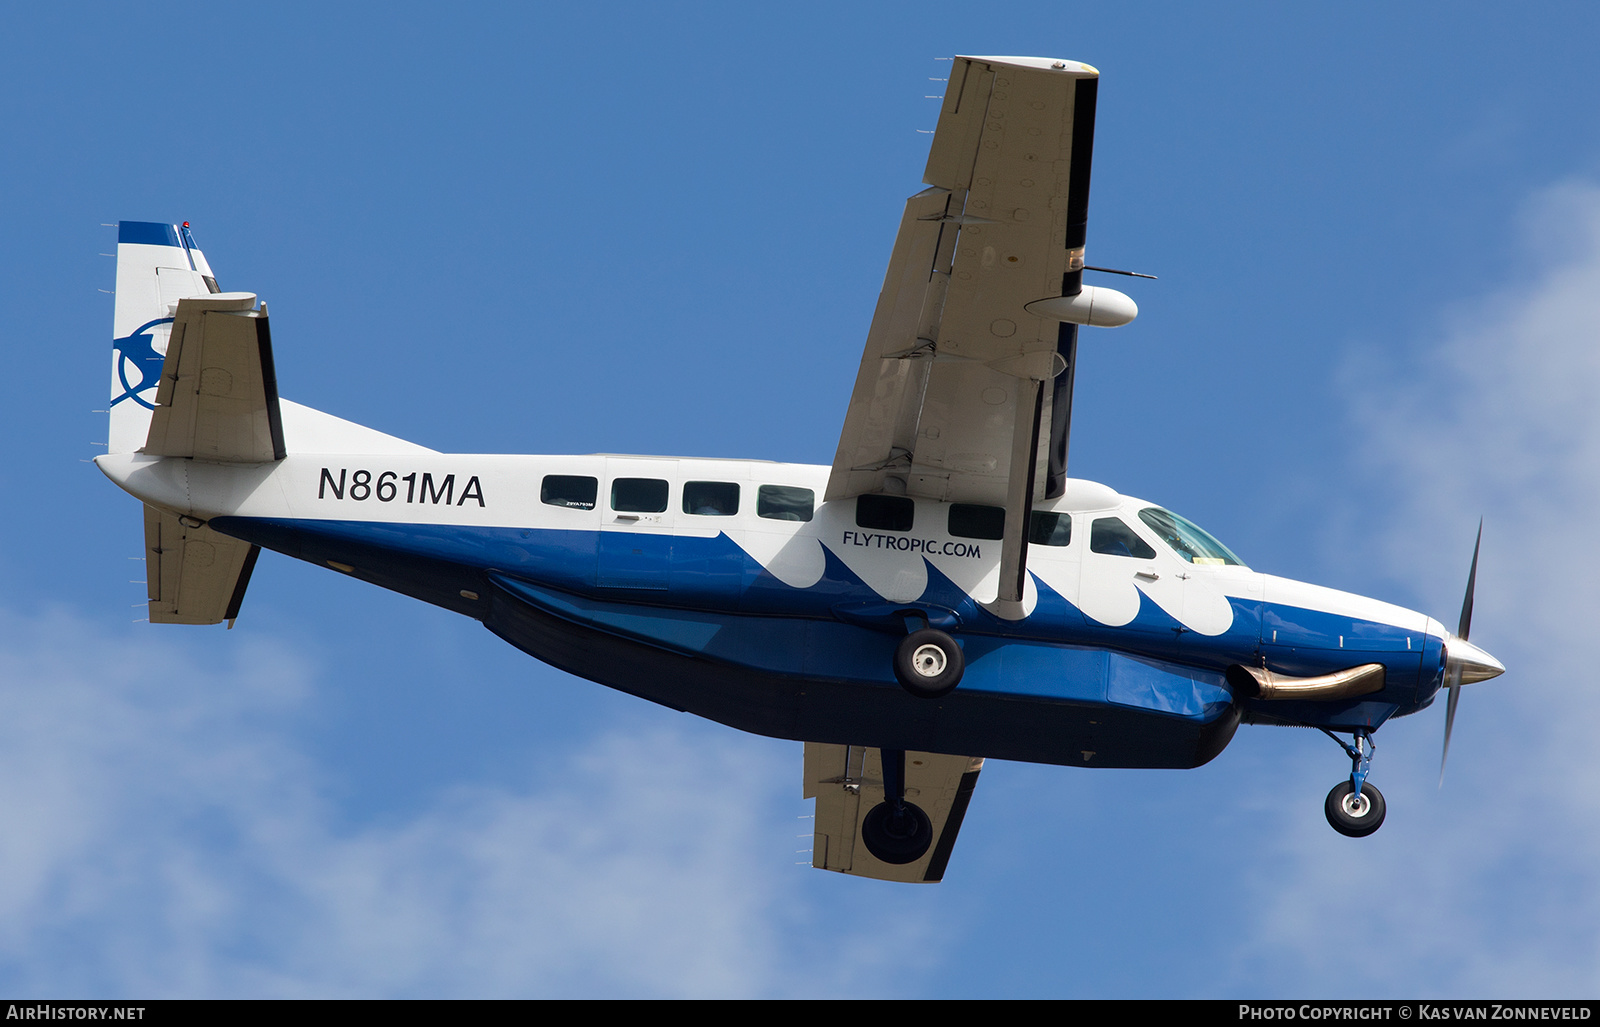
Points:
(157, 265)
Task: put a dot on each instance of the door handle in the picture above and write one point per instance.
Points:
(1146, 575)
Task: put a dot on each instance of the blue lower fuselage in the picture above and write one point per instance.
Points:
(696, 623)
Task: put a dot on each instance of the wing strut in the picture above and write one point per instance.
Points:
(1055, 479)
(1019, 499)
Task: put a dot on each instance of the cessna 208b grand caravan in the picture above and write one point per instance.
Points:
(942, 593)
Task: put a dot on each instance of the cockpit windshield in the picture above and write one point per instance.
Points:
(1188, 539)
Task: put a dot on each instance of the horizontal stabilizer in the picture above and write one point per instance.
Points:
(195, 575)
(847, 781)
(218, 397)
(316, 432)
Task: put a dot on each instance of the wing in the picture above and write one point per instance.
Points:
(847, 781)
(964, 392)
(218, 397)
(195, 575)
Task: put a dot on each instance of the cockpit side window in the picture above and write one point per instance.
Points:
(1113, 537)
(1050, 529)
(1188, 539)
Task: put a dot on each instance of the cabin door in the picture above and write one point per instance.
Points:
(637, 502)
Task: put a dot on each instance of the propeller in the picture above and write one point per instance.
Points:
(1465, 663)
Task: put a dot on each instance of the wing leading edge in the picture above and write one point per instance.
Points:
(965, 387)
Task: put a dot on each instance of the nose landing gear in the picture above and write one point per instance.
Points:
(1354, 807)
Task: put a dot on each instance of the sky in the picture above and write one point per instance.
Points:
(662, 228)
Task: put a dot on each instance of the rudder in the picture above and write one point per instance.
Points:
(157, 265)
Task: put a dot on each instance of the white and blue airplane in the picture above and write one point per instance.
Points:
(942, 593)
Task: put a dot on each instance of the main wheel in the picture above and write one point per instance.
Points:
(928, 663)
(1355, 815)
(897, 836)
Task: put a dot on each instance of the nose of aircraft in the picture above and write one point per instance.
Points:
(1472, 663)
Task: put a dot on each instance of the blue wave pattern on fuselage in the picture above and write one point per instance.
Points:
(721, 603)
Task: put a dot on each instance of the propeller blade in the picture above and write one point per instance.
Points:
(1455, 672)
(1472, 582)
(1449, 721)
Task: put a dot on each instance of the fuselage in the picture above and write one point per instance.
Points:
(730, 589)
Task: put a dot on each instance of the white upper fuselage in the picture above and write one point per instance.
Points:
(414, 486)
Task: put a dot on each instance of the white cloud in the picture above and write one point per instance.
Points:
(1493, 885)
(166, 834)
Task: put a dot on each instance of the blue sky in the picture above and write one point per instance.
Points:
(662, 228)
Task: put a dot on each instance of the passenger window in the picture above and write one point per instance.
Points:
(970, 521)
(639, 495)
(1050, 529)
(711, 498)
(888, 513)
(1111, 536)
(785, 503)
(574, 491)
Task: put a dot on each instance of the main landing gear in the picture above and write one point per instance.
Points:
(1354, 807)
(896, 831)
(929, 663)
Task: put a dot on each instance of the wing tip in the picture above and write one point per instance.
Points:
(1077, 69)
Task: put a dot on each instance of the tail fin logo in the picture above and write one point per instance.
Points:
(138, 350)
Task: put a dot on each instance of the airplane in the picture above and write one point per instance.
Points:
(941, 594)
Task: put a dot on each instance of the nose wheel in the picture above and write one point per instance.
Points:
(1354, 814)
(1355, 808)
